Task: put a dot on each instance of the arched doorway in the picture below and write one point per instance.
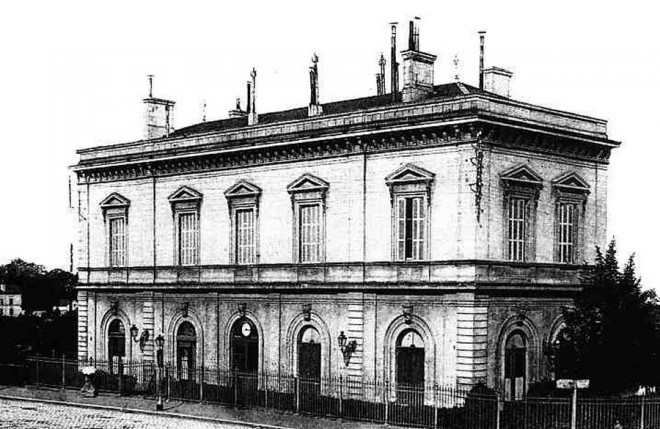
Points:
(116, 345)
(410, 367)
(244, 346)
(515, 366)
(309, 362)
(186, 345)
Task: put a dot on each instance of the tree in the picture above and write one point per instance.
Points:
(40, 289)
(610, 335)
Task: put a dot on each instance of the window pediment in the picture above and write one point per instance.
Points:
(185, 196)
(115, 200)
(243, 189)
(410, 173)
(523, 176)
(571, 183)
(308, 183)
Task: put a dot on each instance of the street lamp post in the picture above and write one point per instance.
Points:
(159, 362)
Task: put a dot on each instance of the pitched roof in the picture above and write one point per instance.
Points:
(448, 90)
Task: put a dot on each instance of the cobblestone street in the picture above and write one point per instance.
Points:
(33, 415)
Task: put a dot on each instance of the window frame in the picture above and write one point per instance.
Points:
(243, 196)
(186, 201)
(410, 181)
(115, 206)
(570, 189)
(308, 190)
(520, 183)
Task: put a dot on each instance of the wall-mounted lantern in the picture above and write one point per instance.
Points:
(347, 349)
(144, 337)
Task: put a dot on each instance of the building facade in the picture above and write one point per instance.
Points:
(429, 236)
(11, 300)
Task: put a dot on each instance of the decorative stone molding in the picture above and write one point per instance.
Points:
(308, 190)
(521, 182)
(410, 178)
(522, 179)
(183, 308)
(242, 309)
(407, 313)
(307, 312)
(376, 142)
(570, 186)
(115, 205)
(243, 196)
(185, 198)
(114, 307)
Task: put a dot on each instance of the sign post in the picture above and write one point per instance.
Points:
(575, 385)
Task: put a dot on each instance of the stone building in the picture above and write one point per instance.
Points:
(11, 300)
(437, 230)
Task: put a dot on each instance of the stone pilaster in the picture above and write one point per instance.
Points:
(82, 326)
(355, 332)
(471, 348)
(148, 325)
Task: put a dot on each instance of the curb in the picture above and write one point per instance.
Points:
(140, 411)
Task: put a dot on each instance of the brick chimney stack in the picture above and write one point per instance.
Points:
(497, 80)
(158, 115)
(417, 69)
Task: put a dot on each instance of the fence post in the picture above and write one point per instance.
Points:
(37, 363)
(297, 384)
(386, 398)
(264, 377)
(574, 409)
(120, 371)
(235, 387)
(641, 418)
(341, 396)
(435, 405)
(63, 372)
(498, 411)
(201, 385)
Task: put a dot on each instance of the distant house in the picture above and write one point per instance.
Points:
(65, 305)
(11, 301)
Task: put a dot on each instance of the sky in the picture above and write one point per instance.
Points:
(73, 75)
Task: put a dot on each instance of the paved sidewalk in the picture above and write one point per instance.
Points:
(254, 416)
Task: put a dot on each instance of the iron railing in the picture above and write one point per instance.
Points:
(429, 406)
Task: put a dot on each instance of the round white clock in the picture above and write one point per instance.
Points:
(246, 329)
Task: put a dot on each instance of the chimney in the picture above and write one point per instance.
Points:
(238, 112)
(497, 81)
(482, 37)
(253, 118)
(158, 115)
(394, 66)
(380, 77)
(314, 108)
(417, 69)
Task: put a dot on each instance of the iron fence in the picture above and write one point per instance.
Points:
(340, 397)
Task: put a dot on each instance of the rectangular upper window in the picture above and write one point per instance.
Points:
(188, 238)
(410, 224)
(245, 236)
(517, 228)
(567, 227)
(309, 233)
(117, 241)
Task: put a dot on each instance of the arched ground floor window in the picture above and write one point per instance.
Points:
(244, 346)
(515, 366)
(410, 358)
(116, 345)
(186, 344)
